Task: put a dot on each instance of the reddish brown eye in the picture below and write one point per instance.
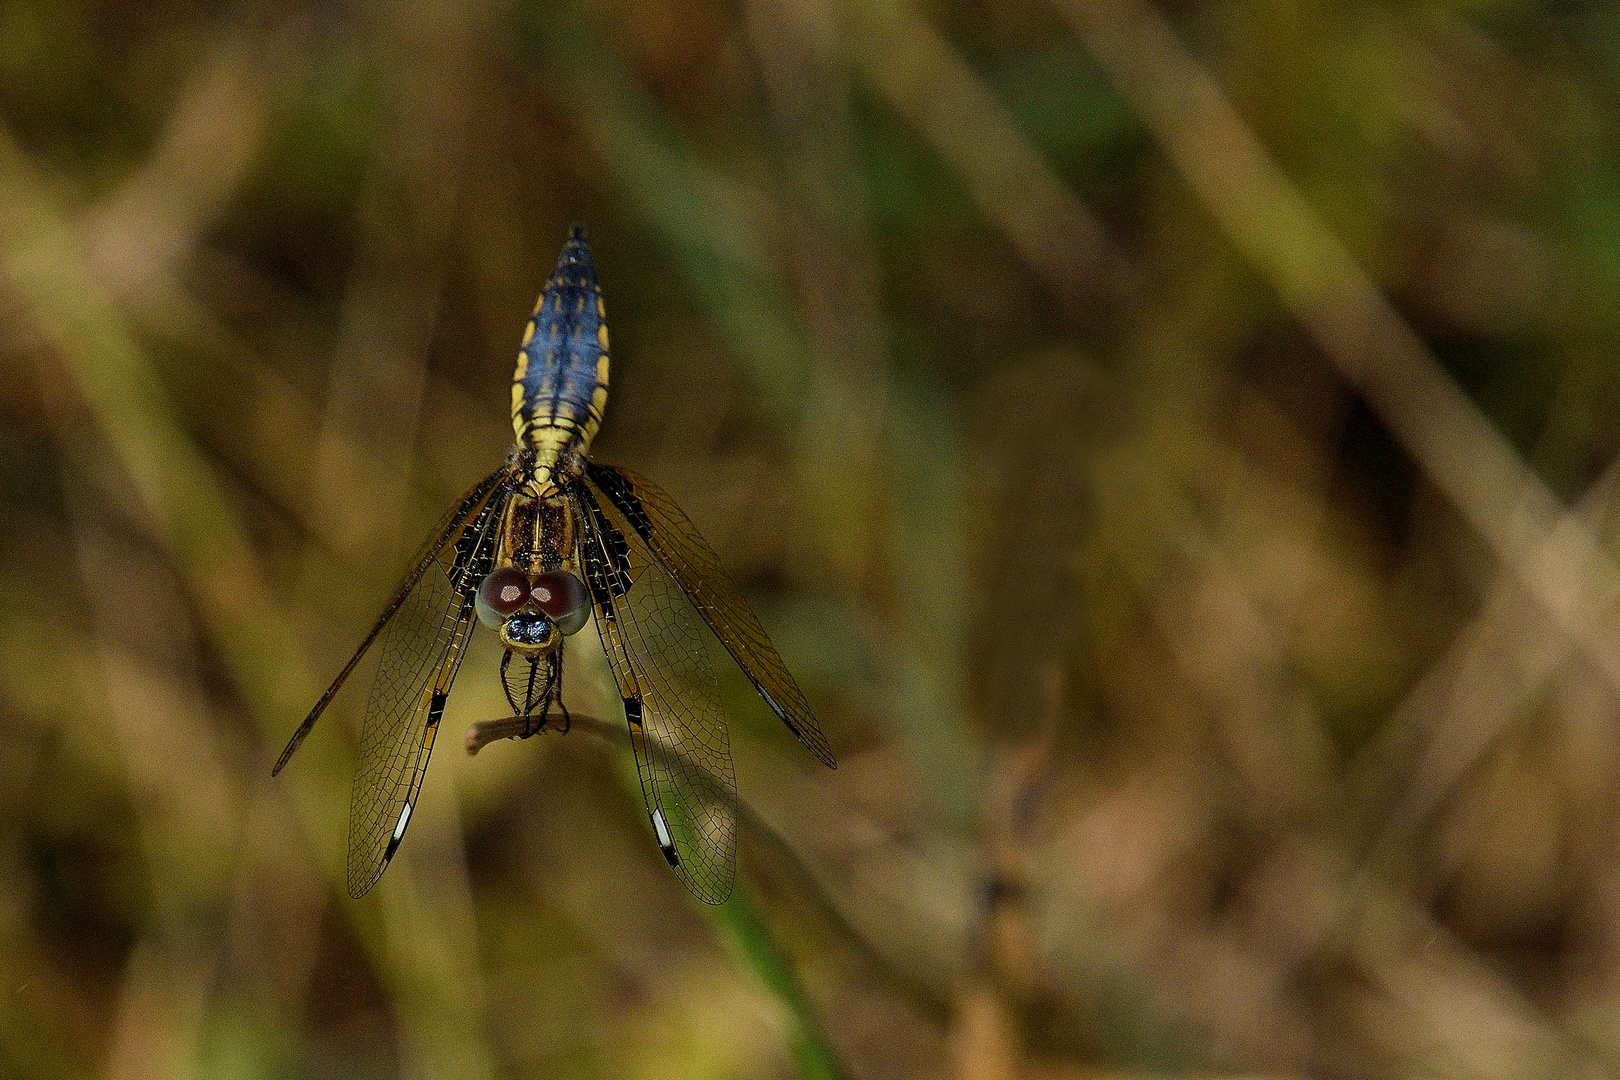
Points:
(563, 598)
(502, 593)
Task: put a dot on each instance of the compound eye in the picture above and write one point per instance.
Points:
(563, 597)
(500, 595)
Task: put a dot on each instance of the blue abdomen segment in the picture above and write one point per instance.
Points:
(560, 387)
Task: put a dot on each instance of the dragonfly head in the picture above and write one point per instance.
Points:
(532, 616)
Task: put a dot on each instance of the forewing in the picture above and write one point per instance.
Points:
(420, 652)
(665, 529)
(448, 536)
(659, 654)
(402, 717)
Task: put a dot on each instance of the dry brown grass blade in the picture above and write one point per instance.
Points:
(1550, 554)
(154, 715)
(175, 485)
(1465, 701)
(1372, 347)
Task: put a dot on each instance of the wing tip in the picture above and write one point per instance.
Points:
(818, 749)
(303, 731)
(286, 755)
(806, 730)
(713, 893)
(817, 745)
(360, 884)
(363, 878)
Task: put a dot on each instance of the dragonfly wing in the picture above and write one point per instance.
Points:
(449, 533)
(658, 652)
(423, 629)
(679, 548)
(421, 651)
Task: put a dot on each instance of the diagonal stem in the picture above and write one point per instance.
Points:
(1373, 348)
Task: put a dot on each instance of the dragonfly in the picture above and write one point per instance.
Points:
(546, 544)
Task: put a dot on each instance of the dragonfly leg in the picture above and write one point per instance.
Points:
(530, 700)
(506, 662)
(554, 690)
(551, 695)
(522, 685)
(533, 694)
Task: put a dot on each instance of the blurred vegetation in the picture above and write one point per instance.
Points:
(1172, 445)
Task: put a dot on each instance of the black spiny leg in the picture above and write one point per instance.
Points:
(506, 662)
(554, 690)
(534, 693)
(529, 697)
(526, 685)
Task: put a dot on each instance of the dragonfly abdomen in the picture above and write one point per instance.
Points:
(560, 387)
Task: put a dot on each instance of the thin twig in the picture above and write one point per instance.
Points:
(484, 732)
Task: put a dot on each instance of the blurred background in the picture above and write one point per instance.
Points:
(1173, 446)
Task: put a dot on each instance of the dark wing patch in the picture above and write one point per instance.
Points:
(660, 658)
(678, 546)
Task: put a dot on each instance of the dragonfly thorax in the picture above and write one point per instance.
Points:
(536, 535)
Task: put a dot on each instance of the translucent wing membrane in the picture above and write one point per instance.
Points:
(662, 526)
(421, 634)
(448, 533)
(659, 654)
(421, 650)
